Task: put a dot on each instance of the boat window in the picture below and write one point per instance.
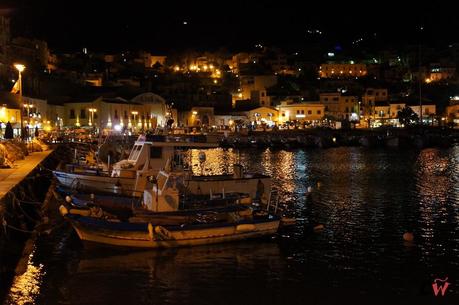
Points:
(155, 152)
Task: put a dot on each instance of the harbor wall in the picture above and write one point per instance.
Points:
(326, 138)
(21, 213)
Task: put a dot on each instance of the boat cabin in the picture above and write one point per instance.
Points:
(147, 154)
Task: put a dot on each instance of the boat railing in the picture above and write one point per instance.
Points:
(273, 200)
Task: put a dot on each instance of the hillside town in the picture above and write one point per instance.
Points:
(261, 88)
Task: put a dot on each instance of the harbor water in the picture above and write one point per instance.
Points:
(365, 199)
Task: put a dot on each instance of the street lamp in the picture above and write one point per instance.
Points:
(92, 110)
(20, 68)
(28, 107)
(134, 113)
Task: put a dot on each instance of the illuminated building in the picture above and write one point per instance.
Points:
(302, 112)
(342, 70)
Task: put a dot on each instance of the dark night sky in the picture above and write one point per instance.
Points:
(116, 25)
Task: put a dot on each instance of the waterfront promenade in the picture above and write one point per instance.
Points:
(10, 177)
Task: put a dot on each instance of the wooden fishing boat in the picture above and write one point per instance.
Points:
(152, 235)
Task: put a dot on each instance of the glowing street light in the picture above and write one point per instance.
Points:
(134, 113)
(92, 110)
(20, 68)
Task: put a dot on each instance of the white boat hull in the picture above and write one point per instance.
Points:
(196, 185)
(97, 183)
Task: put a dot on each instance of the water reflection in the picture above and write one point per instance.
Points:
(366, 200)
(436, 189)
(26, 287)
(173, 276)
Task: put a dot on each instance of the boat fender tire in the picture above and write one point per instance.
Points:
(245, 228)
(150, 231)
(63, 210)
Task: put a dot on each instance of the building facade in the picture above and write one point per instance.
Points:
(342, 70)
(310, 112)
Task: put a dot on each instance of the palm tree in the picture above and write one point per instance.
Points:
(407, 116)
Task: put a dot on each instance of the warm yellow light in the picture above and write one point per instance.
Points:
(19, 67)
(195, 112)
(240, 95)
(215, 81)
(134, 112)
(92, 110)
(3, 114)
(177, 68)
(428, 80)
(230, 122)
(205, 67)
(211, 67)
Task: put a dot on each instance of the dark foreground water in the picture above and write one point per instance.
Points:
(366, 200)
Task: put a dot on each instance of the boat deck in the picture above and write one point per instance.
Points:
(227, 177)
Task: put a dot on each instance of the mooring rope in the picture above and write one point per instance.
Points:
(30, 202)
(18, 229)
(18, 202)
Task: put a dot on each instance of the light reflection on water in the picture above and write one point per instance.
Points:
(26, 287)
(366, 200)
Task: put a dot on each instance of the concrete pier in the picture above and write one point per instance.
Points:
(10, 177)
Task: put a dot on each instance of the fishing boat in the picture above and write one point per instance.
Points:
(152, 235)
(164, 221)
(148, 158)
(128, 176)
(195, 208)
(165, 198)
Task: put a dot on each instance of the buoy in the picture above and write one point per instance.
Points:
(408, 236)
(318, 227)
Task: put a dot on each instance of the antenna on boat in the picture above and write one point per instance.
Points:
(419, 76)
